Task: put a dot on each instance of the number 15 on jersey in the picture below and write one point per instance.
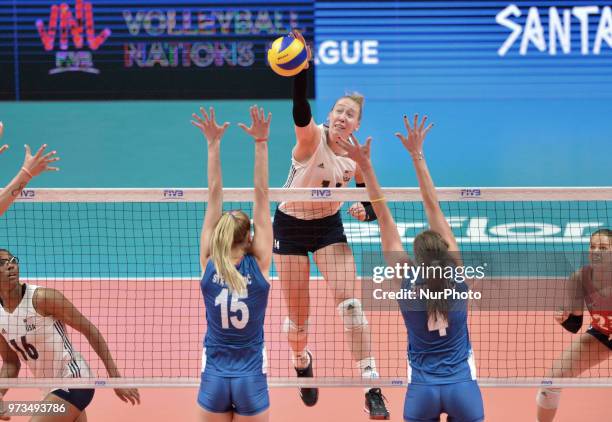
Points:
(239, 310)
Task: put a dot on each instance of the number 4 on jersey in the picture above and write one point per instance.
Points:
(438, 324)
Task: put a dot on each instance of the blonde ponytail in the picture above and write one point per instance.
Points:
(228, 232)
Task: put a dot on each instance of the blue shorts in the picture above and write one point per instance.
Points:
(462, 402)
(246, 396)
(78, 397)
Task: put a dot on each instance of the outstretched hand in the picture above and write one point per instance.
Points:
(260, 126)
(2, 147)
(39, 162)
(208, 126)
(355, 151)
(416, 134)
(361, 155)
(298, 35)
(130, 395)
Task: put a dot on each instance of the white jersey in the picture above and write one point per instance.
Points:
(41, 342)
(324, 169)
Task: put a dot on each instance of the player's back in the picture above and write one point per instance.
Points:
(439, 354)
(234, 341)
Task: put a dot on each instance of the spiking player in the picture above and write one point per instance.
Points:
(316, 227)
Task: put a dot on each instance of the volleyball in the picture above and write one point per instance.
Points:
(287, 56)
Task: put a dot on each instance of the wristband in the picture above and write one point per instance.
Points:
(417, 155)
(370, 215)
(261, 139)
(26, 171)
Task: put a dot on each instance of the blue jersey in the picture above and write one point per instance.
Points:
(234, 341)
(437, 355)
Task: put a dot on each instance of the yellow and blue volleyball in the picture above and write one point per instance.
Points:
(287, 56)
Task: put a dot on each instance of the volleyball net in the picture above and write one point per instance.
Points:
(129, 261)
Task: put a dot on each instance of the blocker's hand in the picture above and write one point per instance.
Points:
(416, 134)
(355, 151)
(260, 126)
(208, 126)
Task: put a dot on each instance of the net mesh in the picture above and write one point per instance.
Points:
(128, 260)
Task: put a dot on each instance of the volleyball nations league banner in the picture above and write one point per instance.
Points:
(86, 49)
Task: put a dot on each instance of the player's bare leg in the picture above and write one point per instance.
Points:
(337, 264)
(260, 417)
(584, 353)
(294, 276)
(206, 416)
(72, 413)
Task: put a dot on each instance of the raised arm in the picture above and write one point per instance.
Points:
(213, 134)
(262, 241)
(33, 165)
(307, 133)
(52, 303)
(413, 142)
(391, 241)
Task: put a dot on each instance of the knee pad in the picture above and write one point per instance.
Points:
(296, 333)
(548, 398)
(352, 315)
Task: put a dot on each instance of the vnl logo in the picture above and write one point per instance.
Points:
(80, 26)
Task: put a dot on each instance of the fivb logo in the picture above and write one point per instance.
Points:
(320, 193)
(27, 194)
(174, 194)
(470, 193)
(80, 28)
